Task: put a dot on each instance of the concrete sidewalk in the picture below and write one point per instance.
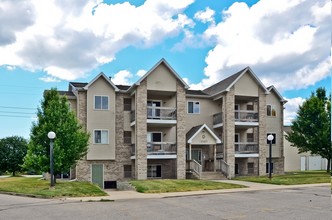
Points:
(125, 195)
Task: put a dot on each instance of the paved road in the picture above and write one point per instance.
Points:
(295, 203)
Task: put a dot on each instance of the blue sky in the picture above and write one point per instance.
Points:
(49, 43)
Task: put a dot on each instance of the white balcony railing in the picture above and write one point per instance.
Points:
(246, 148)
(246, 116)
(158, 148)
(161, 113)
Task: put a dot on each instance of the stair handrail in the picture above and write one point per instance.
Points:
(196, 167)
(224, 167)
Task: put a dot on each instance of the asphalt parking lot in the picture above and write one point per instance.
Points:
(293, 203)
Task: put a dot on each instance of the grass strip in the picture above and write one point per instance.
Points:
(291, 178)
(163, 186)
(41, 188)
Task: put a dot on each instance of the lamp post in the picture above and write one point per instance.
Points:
(270, 139)
(51, 136)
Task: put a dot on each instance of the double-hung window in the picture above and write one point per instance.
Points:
(100, 137)
(271, 110)
(193, 107)
(101, 102)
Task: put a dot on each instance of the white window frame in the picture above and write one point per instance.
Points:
(101, 109)
(273, 108)
(199, 107)
(101, 130)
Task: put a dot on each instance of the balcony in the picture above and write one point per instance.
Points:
(158, 115)
(158, 150)
(217, 120)
(246, 118)
(249, 149)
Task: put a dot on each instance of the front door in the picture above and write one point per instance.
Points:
(97, 174)
(197, 155)
(154, 109)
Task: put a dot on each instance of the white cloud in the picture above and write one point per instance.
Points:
(49, 79)
(141, 73)
(122, 78)
(69, 38)
(291, 108)
(205, 16)
(285, 42)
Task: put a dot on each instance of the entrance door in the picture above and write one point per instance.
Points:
(97, 173)
(154, 109)
(197, 155)
(237, 140)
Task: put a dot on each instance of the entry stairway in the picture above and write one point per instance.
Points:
(212, 176)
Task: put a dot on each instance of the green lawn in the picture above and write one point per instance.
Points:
(292, 178)
(41, 188)
(162, 186)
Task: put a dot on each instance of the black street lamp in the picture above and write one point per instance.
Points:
(270, 139)
(51, 136)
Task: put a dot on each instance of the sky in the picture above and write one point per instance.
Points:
(46, 44)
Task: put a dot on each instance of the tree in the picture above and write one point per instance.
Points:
(12, 151)
(311, 129)
(70, 144)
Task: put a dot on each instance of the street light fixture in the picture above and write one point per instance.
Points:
(51, 135)
(270, 138)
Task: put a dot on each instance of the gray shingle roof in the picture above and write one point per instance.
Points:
(66, 93)
(223, 84)
(123, 87)
(195, 92)
(192, 131)
(78, 84)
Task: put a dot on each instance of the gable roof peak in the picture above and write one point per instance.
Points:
(101, 74)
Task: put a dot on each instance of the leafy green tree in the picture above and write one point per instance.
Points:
(12, 151)
(311, 129)
(70, 144)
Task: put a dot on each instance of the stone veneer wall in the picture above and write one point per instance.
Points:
(141, 130)
(229, 130)
(82, 168)
(262, 132)
(122, 150)
(281, 160)
(180, 131)
(278, 165)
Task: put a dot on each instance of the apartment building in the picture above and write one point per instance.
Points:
(159, 128)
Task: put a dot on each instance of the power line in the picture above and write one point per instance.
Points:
(16, 107)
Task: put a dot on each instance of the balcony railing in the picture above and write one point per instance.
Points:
(158, 148)
(246, 148)
(157, 113)
(161, 113)
(217, 118)
(246, 116)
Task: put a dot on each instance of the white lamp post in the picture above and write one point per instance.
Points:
(270, 139)
(51, 136)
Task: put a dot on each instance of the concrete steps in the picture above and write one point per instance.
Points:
(212, 176)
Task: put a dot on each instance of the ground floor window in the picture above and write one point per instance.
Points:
(250, 168)
(127, 171)
(267, 167)
(154, 171)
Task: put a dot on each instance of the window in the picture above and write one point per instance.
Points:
(236, 168)
(250, 168)
(250, 107)
(101, 102)
(250, 137)
(127, 137)
(154, 171)
(271, 110)
(267, 168)
(127, 171)
(193, 108)
(126, 104)
(274, 138)
(100, 137)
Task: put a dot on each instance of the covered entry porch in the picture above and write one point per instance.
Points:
(201, 151)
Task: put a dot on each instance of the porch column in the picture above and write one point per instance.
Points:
(214, 157)
(189, 151)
